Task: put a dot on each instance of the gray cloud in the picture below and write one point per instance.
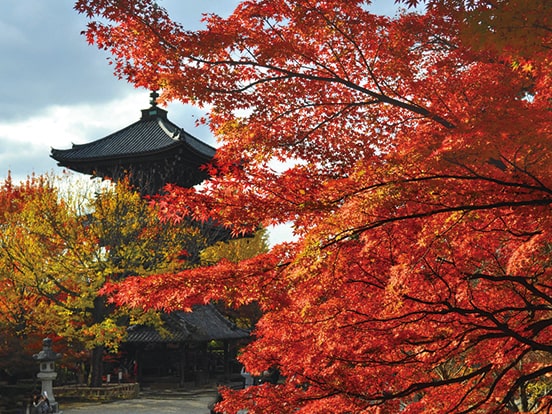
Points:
(22, 159)
(46, 61)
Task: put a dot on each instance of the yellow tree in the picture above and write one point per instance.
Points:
(57, 252)
(18, 301)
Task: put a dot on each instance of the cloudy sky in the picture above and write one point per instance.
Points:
(56, 90)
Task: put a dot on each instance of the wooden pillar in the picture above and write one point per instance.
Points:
(139, 363)
(182, 364)
(227, 367)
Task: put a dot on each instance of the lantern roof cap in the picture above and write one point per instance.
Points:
(47, 353)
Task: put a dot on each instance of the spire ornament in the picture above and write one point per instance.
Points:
(154, 95)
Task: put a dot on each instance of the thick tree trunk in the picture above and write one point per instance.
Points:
(99, 314)
(96, 366)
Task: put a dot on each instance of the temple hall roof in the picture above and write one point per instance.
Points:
(203, 324)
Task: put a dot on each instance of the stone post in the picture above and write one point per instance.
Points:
(47, 358)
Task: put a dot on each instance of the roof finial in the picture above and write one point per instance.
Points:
(154, 95)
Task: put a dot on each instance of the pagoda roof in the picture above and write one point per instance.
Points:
(151, 146)
(203, 324)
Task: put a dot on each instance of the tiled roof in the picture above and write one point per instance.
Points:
(152, 152)
(152, 134)
(204, 323)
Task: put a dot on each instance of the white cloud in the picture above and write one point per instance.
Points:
(25, 144)
(279, 234)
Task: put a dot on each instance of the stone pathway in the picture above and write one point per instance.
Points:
(158, 402)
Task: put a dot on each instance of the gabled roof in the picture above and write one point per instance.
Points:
(153, 151)
(203, 324)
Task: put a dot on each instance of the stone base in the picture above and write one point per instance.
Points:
(104, 393)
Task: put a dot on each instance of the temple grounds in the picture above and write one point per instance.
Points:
(167, 401)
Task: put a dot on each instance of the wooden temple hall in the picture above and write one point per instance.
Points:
(153, 152)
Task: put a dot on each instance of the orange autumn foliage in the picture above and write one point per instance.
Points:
(414, 165)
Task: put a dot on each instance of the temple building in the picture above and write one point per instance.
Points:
(153, 152)
(200, 345)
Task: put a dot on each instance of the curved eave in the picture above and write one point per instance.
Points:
(149, 138)
(65, 158)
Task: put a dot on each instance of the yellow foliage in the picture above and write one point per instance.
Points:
(58, 248)
(236, 250)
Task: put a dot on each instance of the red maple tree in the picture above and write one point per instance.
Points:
(414, 165)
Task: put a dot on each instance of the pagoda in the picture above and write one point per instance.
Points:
(151, 152)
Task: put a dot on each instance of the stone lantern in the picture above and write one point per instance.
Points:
(47, 358)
